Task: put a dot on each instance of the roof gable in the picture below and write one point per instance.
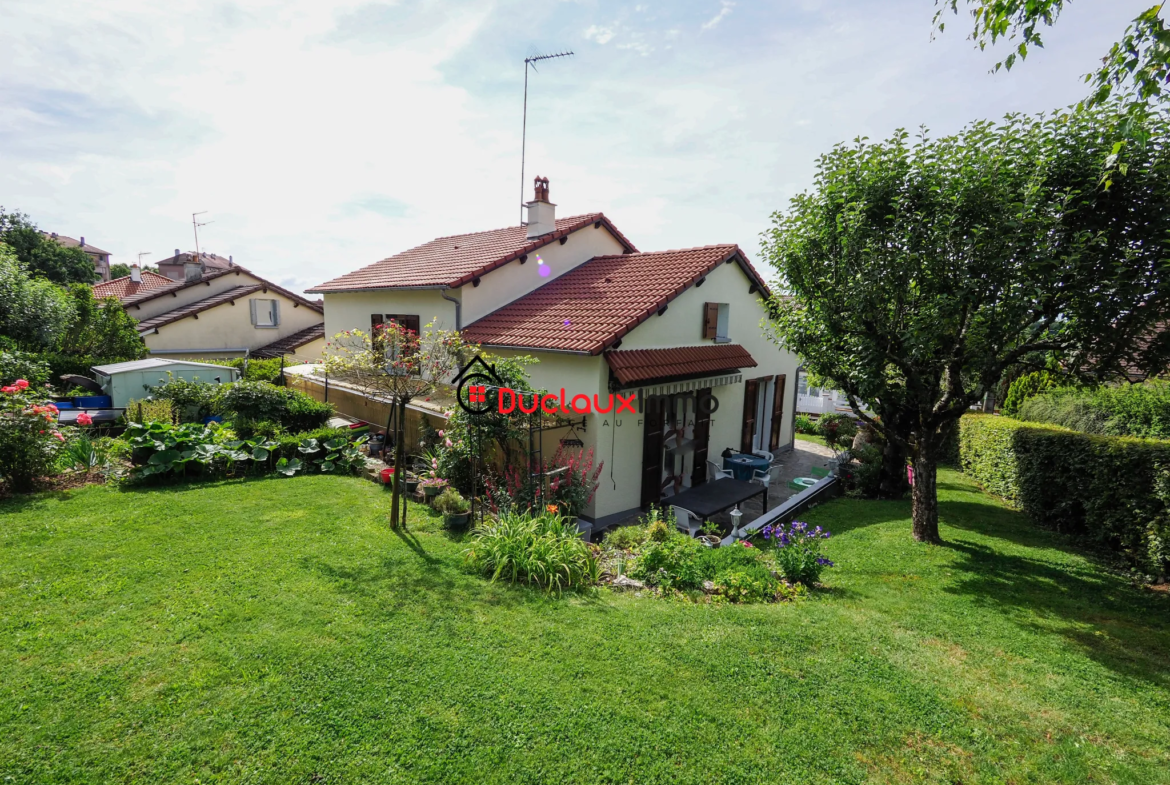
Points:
(176, 286)
(459, 259)
(126, 287)
(589, 308)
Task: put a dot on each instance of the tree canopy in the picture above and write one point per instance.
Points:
(1137, 66)
(34, 313)
(41, 256)
(920, 271)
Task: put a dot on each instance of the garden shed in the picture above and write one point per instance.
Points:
(128, 381)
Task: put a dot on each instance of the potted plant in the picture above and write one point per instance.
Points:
(432, 486)
(411, 483)
(454, 507)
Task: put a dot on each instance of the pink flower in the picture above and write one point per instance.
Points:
(53, 408)
(57, 435)
(8, 389)
(746, 544)
(84, 419)
(448, 443)
(20, 384)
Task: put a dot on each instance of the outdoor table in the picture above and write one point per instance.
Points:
(744, 465)
(716, 496)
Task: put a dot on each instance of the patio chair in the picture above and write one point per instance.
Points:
(765, 477)
(765, 454)
(686, 521)
(715, 473)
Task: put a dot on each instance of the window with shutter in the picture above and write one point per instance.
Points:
(750, 392)
(265, 313)
(710, 320)
(777, 415)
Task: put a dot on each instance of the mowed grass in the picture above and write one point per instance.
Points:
(276, 631)
(809, 437)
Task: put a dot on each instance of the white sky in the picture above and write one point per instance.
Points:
(324, 136)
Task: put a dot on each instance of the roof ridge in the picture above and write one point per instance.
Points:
(499, 229)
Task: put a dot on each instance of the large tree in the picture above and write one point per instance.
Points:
(42, 256)
(1137, 66)
(35, 314)
(919, 271)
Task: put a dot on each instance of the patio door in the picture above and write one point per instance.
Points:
(652, 436)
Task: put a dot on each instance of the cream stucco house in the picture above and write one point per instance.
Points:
(218, 312)
(674, 329)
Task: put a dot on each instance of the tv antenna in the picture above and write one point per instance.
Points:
(142, 254)
(195, 225)
(531, 60)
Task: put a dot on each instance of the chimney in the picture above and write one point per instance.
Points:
(541, 212)
(82, 242)
(192, 271)
(230, 262)
(177, 255)
(135, 273)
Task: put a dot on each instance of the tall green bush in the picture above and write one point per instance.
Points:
(1025, 388)
(1141, 410)
(1113, 490)
(23, 365)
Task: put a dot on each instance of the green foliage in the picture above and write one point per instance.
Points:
(42, 256)
(101, 329)
(545, 550)
(1024, 388)
(29, 439)
(88, 454)
(805, 424)
(264, 402)
(626, 538)
(450, 502)
(289, 446)
(658, 523)
(23, 365)
(900, 292)
(193, 400)
(1113, 490)
(251, 369)
(1138, 65)
(739, 572)
(797, 550)
(150, 410)
(1141, 410)
(838, 430)
(250, 429)
(34, 313)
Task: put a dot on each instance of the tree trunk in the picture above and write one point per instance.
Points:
(925, 491)
(892, 484)
(399, 460)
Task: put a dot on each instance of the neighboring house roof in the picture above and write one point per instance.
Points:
(125, 287)
(289, 344)
(459, 259)
(646, 365)
(196, 308)
(208, 260)
(176, 286)
(592, 306)
(70, 242)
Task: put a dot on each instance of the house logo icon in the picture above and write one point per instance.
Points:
(477, 387)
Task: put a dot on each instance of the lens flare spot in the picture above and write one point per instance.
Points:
(568, 323)
(544, 270)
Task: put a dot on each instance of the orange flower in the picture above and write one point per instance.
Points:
(551, 508)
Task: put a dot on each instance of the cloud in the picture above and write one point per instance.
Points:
(724, 11)
(602, 35)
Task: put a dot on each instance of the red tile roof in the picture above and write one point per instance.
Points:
(291, 343)
(124, 287)
(175, 286)
(644, 365)
(590, 307)
(196, 308)
(459, 259)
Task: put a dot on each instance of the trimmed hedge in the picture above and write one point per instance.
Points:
(1141, 410)
(1113, 490)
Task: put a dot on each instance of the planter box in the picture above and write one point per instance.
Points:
(457, 520)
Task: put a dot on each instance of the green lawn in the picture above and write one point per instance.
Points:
(808, 437)
(277, 631)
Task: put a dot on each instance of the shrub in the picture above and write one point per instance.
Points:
(1024, 389)
(805, 424)
(659, 523)
(264, 402)
(1141, 410)
(289, 446)
(626, 538)
(250, 429)
(573, 489)
(798, 551)
(1113, 490)
(251, 369)
(151, 410)
(678, 562)
(864, 475)
(193, 401)
(23, 365)
(29, 439)
(545, 550)
(739, 572)
(304, 413)
(838, 429)
(451, 502)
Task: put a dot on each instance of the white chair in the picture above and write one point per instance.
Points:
(765, 477)
(715, 473)
(764, 454)
(686, 521)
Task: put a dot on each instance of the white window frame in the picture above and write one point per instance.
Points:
(723, 325)
(265, 313)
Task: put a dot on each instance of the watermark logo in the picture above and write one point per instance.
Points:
(476, 386)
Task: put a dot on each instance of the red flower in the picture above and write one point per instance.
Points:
(8, 389)
(84, 419)
(20, 384)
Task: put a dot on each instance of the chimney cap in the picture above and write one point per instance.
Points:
(541, 189)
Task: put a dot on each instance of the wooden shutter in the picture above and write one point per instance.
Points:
(702, 436)
(275, 312)
(710, 320)
(751, 389)
(252, 310)
(777, 414)
(652, 451)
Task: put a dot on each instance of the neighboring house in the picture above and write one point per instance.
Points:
(668, 329)
(177, 267)
(821, 400)
(218, 312)
(101, 259)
